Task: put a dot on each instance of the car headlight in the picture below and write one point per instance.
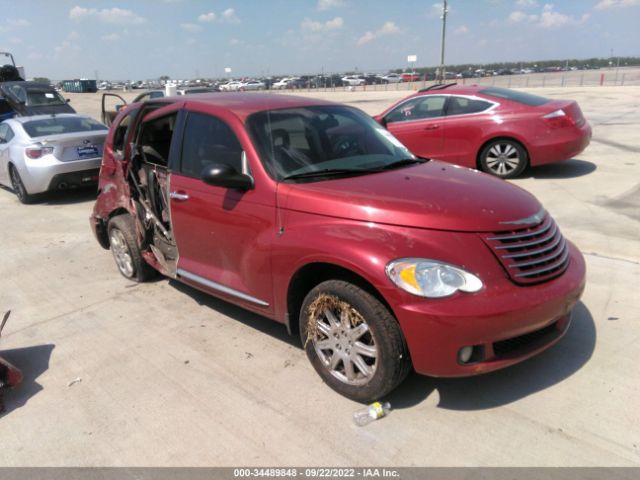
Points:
(430, 278)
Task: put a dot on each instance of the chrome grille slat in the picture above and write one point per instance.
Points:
(523, 235)
(539, 260)
(530, 244)
(532, 254)
(548, 268)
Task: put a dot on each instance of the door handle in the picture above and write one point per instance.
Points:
(432, 127)
(179, 196)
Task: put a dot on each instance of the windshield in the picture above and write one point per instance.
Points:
(300, 141)
(36, 97)
(59, 125)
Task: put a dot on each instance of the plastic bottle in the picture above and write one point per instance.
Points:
(370, 413)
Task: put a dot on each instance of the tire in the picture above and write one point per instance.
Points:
(18, 187)
(361, 363)
(125, 250)
(503, 158)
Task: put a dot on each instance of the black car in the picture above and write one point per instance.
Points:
(32, 98)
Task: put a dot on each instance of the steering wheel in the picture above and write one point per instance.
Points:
(345, 146)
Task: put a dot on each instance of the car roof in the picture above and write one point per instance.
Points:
(245, 104)
(29, 85)
(453, 89)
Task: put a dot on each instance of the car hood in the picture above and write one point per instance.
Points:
(433, 195)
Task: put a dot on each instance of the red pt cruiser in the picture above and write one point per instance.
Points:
(310, 213)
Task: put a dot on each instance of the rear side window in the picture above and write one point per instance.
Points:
(514, 96)
(418, 108)
(6, 134)
(208, 140)
(463, 106)
(59, 125)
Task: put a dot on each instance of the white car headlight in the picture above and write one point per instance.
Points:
(430, 278)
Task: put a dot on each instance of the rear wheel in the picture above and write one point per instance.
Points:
(125, 250)
(503, 158)
(19, 188)
(353, 341)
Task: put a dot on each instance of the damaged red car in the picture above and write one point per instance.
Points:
(313, 215)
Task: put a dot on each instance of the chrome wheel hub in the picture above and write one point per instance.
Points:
(348, 351)
(503, 158)
(121, 252)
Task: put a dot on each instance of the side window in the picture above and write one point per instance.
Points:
(6, 134)
(208, 140)
(120, 135)
(419, 108)
(5, 107)
(155, 139)
(462, 106)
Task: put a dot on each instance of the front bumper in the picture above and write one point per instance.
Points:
(48, 173)
(505, 328)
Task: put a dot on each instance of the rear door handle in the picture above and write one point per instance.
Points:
(432, 127)
(179, 196)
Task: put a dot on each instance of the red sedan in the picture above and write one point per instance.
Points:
(497, 130)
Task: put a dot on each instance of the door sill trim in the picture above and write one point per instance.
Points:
(220, 288)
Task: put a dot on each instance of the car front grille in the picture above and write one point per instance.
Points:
(533, 254)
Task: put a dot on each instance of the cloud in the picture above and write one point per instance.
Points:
(436, 9)
(527, 3)
(15, 41)
(207, 17)
(191, 27)
(112, 37)
(311, 26)
(329, 4)
(12, 24)
(607, 4)
(229, 15)
(461, 30)
(548, 18)
(69, 45)
(389, 28)
(107, 15)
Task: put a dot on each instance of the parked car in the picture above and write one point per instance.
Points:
(311, 214)
(47, 152)
(411, 77)
(353, 80)
(282, 83)
(497, 130)
(252, 85)
(32, 98)
(233, 86)
(392, 78)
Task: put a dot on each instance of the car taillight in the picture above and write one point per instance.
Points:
(559, 119)
(37, 151)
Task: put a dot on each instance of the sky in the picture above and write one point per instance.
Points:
(144, 39)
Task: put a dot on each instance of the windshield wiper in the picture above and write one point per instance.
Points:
(404, 162)
(329, 172)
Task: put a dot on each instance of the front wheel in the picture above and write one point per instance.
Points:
(125, 250)
(503, 158)
(353, 341)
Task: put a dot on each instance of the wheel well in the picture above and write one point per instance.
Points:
(102, 225)
(482, 147)
(313, 274)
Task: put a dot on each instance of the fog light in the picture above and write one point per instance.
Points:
(464, 355)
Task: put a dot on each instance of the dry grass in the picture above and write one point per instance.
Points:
(325, 302)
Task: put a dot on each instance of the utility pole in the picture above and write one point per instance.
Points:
(444, 25)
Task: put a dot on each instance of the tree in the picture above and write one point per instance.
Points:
(41, 80)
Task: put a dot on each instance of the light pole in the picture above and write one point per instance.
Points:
(444, 25)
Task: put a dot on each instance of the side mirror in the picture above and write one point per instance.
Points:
(222, 175)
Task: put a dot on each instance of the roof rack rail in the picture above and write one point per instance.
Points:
(438, 86)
